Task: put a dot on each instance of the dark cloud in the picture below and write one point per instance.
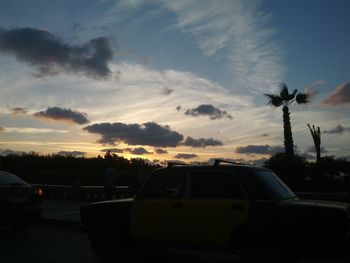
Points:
(167, 91)
(2, 129)
(113, 150)
(186, 155)
(78, 27)
(19, 111)
(72, 153)
(149, 133)
(208, 110)
(341, 95)
(259, 149)
(6, 152)
(139, 151)
(201, 142)
(178, 108)
(161, 151)
(311, 149)
(50, 55)
(339, 129)
(61, 114)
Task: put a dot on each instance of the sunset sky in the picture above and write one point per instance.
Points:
(167, 80)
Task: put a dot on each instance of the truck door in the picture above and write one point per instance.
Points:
(217, 205)
(157, 214)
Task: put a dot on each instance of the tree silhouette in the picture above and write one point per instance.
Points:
(285, 99)
(316, 135)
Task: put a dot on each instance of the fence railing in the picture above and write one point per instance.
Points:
(96, 193)
(91, 193)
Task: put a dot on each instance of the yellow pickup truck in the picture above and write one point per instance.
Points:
(222, 207)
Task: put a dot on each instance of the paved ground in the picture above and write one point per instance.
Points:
(64, 210)
(56, 244)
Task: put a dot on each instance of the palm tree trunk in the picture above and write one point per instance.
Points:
(288, 137)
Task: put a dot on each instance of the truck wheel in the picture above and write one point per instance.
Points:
(263, 251)
(108, 245)
(103, 246)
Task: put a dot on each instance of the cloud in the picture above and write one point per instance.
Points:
(139, 151)
(311, 149)
(339, 129)
(19, 111)
(149, 133)
(113, 150)
(62, 114)
(186, 155)
(259, 149)
(341, 95)
(166, 91)
(201, 142)
(208, 110)
(241, 28)
(312, 89)
(50, 55)
(161, 151)
(72, 153)
(6, 152)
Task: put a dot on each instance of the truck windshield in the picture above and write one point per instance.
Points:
(273, 187)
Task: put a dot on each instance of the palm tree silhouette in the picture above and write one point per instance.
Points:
(285, 99)
(316, 135)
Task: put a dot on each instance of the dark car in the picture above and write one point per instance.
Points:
(19, 202)
(234, 208)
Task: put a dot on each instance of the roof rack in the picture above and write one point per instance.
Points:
(170, 164)
(218, 161)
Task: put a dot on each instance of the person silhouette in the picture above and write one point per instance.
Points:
(110, 175)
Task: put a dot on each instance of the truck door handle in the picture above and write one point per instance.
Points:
(177, 205)
(237, 207)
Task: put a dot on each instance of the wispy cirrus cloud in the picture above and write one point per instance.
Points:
(55, 55)
(62, 114)
(242, 29)
(313, 89)
(340, 96)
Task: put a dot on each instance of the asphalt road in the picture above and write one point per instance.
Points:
(51, 244)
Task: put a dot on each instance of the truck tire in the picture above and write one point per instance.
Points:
(258, 249)
(108, 243)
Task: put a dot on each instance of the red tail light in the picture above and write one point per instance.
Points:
(39, 191)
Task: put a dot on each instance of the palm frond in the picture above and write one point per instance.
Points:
(292, 95)
(284, 93)
(275, 100)
(302, 98)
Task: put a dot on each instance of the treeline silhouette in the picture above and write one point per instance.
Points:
(66, 170)
(327, 175)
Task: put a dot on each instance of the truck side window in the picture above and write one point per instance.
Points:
(163, 184)
(216, 185)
